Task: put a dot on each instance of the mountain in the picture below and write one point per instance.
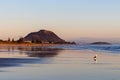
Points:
(44, 36)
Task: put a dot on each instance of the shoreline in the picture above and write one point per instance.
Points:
(28, 45)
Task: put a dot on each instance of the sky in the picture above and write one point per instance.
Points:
(70, 19)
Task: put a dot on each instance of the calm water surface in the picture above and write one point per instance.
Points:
(57, 63)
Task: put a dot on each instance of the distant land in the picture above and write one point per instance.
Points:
(100, 43)
(40, 37)
(49, 37)
(44, 36)
(91, 40)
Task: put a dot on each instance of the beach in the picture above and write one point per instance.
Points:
(59, 40)
(38, 63)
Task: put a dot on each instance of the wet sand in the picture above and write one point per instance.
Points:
(58, 64)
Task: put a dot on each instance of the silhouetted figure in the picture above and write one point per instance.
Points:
(95, 58)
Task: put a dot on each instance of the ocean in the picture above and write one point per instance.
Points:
(60, 62)
(113, 48)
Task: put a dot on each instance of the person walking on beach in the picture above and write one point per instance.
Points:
(95, 58)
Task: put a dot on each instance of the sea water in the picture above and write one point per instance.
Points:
(61, 62)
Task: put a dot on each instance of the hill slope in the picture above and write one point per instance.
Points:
(44, 36)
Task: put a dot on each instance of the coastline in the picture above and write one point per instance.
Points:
(27, 44)
(56, 63)
(24, 45)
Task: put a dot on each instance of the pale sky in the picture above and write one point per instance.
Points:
(70, 19)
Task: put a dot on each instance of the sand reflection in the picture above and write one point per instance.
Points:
(16, 56)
